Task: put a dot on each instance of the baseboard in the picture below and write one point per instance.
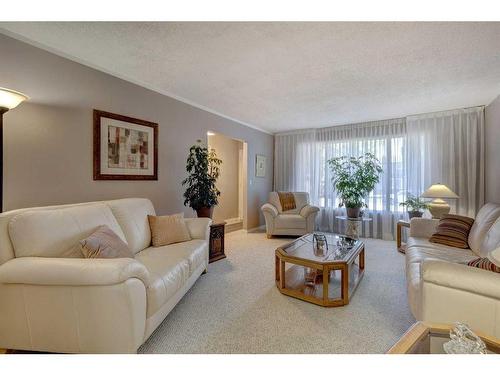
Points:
(256, 229)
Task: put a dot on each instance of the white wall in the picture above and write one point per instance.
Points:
(48, 140)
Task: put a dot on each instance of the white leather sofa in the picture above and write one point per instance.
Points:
(294, 222)
(441, 288)
(52, 299)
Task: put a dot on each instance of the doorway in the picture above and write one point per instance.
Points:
(232, 181)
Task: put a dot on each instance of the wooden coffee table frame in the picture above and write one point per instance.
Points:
(324, 267)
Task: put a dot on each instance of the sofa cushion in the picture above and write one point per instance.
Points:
(484, 264)
(168, 229)
(485, 218)
(105, 244)
(491, 240)
(494, 256)
(169, 267)
(132, 215)
(453, 230)
(290, 221)
(420, 249)
(301, 199)
(57, 232)
(195, 251)
(168, 273)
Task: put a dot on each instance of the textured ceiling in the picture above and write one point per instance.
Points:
(284, 76)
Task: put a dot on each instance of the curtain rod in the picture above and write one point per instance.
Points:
(298, 131)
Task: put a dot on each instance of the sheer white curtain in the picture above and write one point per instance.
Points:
(448, 147)
(300, 165)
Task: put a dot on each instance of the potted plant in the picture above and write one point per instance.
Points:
(353, 179)
(414, 205)
(201, 193)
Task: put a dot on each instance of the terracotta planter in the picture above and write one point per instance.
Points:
(412, 214)
(205, 212)
(353, 212)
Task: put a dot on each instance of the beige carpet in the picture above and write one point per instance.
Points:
(236, 308)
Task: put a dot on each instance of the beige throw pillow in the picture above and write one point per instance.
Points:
(104, 243)
(168, 229)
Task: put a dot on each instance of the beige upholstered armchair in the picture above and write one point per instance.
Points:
(297, 221)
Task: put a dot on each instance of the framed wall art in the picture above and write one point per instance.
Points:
(125, 148)
(260, 166)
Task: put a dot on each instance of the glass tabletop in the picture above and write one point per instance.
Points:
(354, 218)
(339, 248)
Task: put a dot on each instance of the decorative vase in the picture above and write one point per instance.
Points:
(413, 214)
(353, 212)
(205, 212)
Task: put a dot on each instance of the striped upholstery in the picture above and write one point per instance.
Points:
(453, 230)
(485, 264)
(287, 201)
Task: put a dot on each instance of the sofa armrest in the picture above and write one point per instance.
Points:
(269, 208)
(421, 227)
(461, 277)
(71, 271)
(308, 210)
(199, 227)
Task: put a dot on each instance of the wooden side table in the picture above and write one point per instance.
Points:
(400, 245)
(216, 242)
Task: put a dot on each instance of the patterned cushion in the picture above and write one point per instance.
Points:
(168, 229)
(485, 264)
(104, 243)
(453, 230)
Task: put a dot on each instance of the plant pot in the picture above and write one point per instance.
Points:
(353, 212)
(413, 214)
(205, 212)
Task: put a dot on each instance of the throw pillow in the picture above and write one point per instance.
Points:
(104, 243)
(494, 256)
(168, 229)
(453, 230)
(485, 264)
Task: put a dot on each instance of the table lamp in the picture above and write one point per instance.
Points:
(438, 207)
(8, 99)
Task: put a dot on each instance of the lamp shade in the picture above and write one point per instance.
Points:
(10, 99)
(439, 191)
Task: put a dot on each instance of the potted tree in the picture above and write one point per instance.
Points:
(414, 205)
(353, 179)
(203, 170)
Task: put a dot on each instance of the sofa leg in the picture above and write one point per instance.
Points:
(204, 272)
(269, 236)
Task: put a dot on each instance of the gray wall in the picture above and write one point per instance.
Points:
(227, 150)
(48, 140)
(492, 151)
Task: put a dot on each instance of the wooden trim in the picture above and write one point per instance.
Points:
(421, 329)
(416, 332)
(97, 146)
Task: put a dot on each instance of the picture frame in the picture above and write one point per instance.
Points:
(125, 148)
(260, 165)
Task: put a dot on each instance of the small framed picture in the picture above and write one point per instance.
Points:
(125, 148)
(260, 166)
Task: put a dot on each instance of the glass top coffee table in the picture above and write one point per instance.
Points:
(323, 276)
(429, 338)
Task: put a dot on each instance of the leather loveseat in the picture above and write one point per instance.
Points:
(52, 299)
(442, 288)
